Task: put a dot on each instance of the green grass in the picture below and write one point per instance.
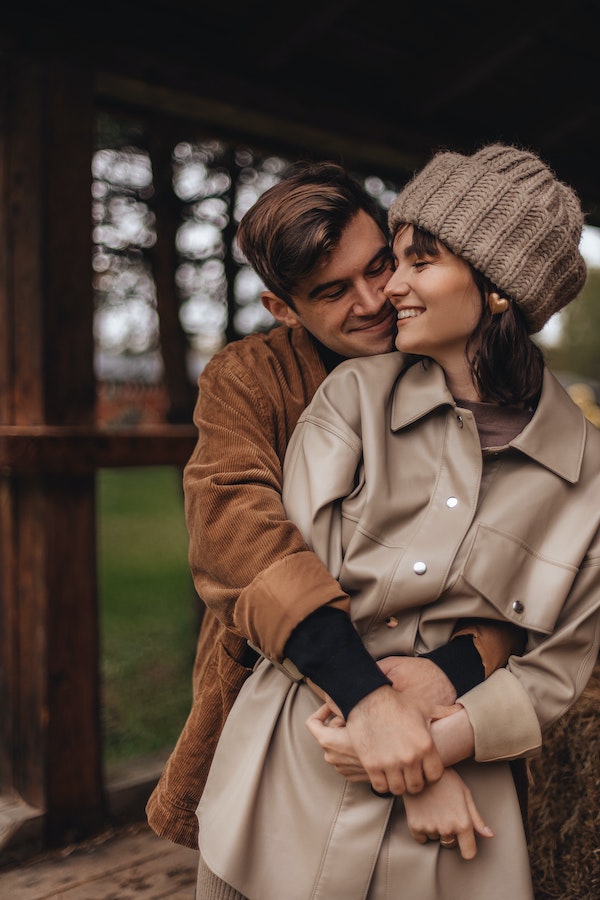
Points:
(148, 610)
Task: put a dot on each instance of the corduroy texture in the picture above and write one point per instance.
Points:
(251, 395)
(506, 213)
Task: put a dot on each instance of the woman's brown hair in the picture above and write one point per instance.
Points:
(506, 365)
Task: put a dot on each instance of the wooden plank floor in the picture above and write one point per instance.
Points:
(121, 865)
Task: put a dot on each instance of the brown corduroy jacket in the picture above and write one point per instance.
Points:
(251, 395)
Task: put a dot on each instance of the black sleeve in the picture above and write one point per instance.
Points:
(460, 661)
(327, 649)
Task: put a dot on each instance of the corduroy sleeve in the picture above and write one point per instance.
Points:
(232, 483)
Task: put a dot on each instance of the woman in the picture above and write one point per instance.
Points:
(456, 478)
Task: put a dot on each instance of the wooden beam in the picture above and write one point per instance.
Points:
(80, 449)
(367, 143)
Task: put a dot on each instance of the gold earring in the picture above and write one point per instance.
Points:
(497, 304)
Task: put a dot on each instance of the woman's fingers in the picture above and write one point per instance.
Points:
(478, 823)
(329, 732)
(320, 715)
(467, 843)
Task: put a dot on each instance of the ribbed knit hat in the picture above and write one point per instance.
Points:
(506, 213)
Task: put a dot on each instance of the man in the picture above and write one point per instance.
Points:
(318, 242)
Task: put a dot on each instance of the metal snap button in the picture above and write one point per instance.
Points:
(518, 606)
(451, 502)
(420, 568)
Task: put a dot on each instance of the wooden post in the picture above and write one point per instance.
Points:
(51, 736)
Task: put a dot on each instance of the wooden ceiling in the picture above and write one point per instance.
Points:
(378, 85)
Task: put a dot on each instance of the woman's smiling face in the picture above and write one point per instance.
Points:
(436, 300)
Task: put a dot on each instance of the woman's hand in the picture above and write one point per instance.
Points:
(446, 809)
(329, 730)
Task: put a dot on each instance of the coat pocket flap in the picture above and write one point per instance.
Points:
(526, 587)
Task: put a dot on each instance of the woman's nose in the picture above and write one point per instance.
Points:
(397, 286)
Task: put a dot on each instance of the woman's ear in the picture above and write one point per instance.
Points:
(279, 309)
(497, 304)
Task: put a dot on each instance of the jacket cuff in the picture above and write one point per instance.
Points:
(494, 641)
(282, 596)
(503, 719)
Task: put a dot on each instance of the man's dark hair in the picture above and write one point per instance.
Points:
(298, 222)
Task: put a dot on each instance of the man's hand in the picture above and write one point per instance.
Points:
(427, 695)
(393, 742)
(385, 741)
(421, 682)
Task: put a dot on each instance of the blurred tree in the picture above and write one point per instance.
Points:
(212, 183)
(578, 350)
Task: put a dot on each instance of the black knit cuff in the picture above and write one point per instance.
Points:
(327, 649)
(460, 661)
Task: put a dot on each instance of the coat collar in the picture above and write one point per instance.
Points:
(417, 392)
(555, 437)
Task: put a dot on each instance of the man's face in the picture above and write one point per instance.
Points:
(342, 303)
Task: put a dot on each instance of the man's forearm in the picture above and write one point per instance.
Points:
(327, 649)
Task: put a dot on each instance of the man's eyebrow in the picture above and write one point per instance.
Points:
(327, 285)
(324, 286)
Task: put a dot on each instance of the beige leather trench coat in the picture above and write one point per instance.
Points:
(387, 481)
(250, 397)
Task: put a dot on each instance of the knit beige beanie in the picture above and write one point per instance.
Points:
(506, 213)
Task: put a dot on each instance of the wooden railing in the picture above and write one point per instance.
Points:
(79, 449)
(49, 636)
